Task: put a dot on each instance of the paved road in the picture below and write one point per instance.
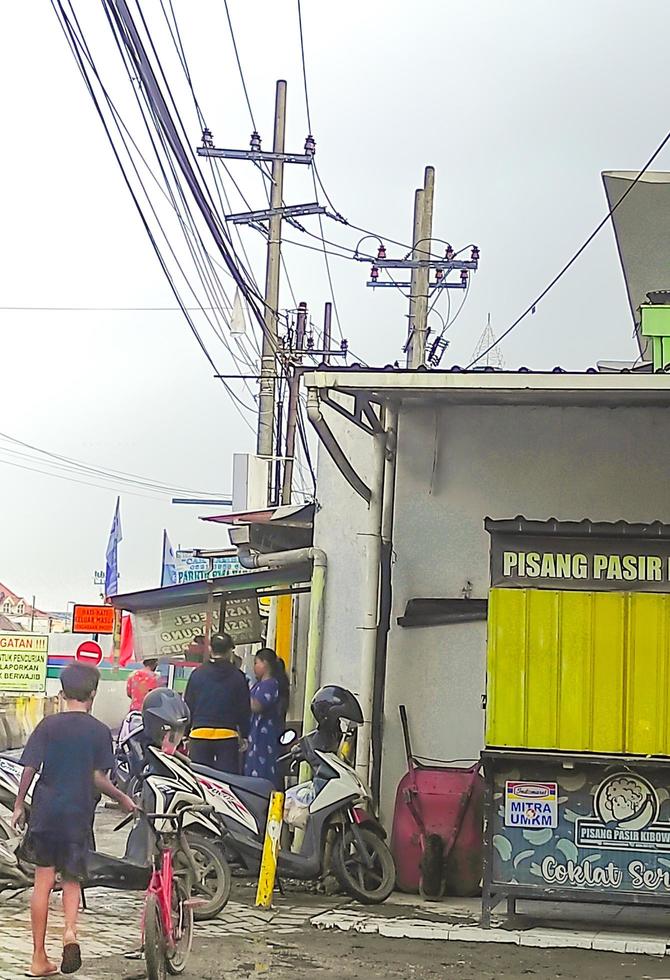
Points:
(245, 943)
(311, 955)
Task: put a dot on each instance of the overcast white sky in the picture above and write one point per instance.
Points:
(518, 105)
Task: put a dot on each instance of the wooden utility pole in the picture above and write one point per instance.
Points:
(266, 398)
(418, 299)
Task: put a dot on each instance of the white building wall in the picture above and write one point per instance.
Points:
(457, 466)
(340, 517)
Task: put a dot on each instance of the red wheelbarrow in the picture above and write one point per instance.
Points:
(437, 826)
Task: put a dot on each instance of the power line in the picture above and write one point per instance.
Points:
(326, 260)
(86, 483)
(107, 472)
(570, 262)
(264, 174)
(82, 55)
(239, 66)
(106, 309)
(304, 69)
(78, 45)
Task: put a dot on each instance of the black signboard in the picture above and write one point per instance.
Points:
(584, 556)
(242, 620)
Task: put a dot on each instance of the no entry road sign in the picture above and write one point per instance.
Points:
(89, 652)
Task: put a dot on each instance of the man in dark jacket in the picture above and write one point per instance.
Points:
(218, 697)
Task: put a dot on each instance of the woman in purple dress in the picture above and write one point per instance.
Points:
(261, 759)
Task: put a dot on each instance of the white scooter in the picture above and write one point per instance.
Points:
(340, 834)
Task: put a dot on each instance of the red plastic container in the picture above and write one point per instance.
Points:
(449, 802)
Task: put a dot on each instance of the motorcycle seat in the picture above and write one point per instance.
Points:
(99, 861)
(113, 872)
(248, 784)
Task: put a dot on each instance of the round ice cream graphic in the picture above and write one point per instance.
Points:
(627, 800)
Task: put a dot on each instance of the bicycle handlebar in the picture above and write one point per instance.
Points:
(175, 818)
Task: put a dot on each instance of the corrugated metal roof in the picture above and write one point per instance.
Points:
(578, 529)
(7, 626)
(189, 593)
(558, 387)
(611, 367)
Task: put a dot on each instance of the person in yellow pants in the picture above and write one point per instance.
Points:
(217, 695)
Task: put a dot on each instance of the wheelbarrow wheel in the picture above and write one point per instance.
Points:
(432, 882)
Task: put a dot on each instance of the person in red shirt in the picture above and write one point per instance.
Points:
(141, 682)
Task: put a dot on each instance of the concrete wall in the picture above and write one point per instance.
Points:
(340, 516)
(457, 466)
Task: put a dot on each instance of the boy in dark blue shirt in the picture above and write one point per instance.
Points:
(72, 751)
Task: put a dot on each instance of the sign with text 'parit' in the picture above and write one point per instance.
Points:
(23, 663)
(193, 568)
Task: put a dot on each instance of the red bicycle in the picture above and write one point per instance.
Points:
(167, 920)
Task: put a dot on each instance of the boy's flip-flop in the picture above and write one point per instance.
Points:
(40, 976)
(71, 958)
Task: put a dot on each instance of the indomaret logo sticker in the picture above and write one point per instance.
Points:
(531, 805)
(626, 809)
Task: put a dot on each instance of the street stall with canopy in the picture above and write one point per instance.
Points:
(577, 756)
(167, 620)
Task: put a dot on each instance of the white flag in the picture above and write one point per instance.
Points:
(238, 324)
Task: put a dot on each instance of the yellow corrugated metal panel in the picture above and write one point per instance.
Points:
(506, 669)
(647, 674)
(574, 701)
(607, 642)
(556, 670)
(542, 667)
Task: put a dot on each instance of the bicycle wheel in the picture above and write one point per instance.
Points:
(154, 940)
(182, 927)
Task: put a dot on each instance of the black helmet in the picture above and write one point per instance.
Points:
(333, 704)
(164, 712)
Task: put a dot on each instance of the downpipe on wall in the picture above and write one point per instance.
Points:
(385, 598)
(370, 549)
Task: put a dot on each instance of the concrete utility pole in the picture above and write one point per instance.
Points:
(418, 300)
(292, 414)
(266, 399)
(268, 443)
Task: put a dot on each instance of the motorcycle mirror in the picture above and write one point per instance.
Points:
(287, 737)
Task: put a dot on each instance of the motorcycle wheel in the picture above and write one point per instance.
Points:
(212, 889)
(369, 885)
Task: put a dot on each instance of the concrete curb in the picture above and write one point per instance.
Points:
(408, 928)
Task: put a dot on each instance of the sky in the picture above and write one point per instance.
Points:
(519, 107)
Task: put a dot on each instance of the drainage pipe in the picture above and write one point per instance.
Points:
(385, 598)
(280, 559)
(370, 550)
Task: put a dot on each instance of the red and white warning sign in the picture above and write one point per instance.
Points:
(89, 652)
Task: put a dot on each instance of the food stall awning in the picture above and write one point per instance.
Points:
(263, 582)
(283, 528)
